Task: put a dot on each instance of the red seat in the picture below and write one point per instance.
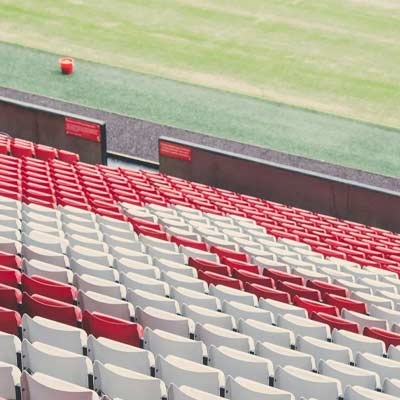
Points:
(10, 276)
(49, 288)
(155, 233)
(336, 322)
(218, 279)
(266, 292)
(223, 252)
(10, 297)
(10, 260)
(21, 150)
(386, 336)
(101, 325)
(325, 287)
(10, 321)
(299, 290)
(278, 275)
(344, 302)
(206, 265)
(138, 222)
(314, 306)
(51, 309)
(244, 266)
(45, 152)
(182, 241)
(330, 253)
(250, 277)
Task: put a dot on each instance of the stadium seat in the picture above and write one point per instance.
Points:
(203, 315)
(251, 277)
(226, 293)
(186, 296)
(324, 287)
(336, 322)
(360, 393)
(312, 306)
(213, 278)
(9, 380)
(135, 281)
(10, 297)
(345, 303)
(170, 266)
(188, 393)
(294, 290)
(278, 275)
(389, 338)
(46, 270)
(142, 299)
(264, 292)
(126, 265)
(211, 266)
(391, 387)
(363, 320)
(244, 311)
(10, 276)
(10, 346)
(179, 280)
(278, 307)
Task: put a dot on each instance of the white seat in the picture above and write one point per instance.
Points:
(187, 296)
(358, 343)
(131, 251)
(158, 243)
(336, 274)
(196, 253)
(10, 345)
(307, 384)
(96, 302)
(155, 318)
(282, 356)
(78, 220)
(304, 326)
(113, 222)
(113, 233)
(217, 336)
(258, 253)
(157, 252)
(126, 265)
(229, 294)
(393, 281)
(220, 242)
(360, 393)
(165, 343)
(293, 244)
(238, 363)
(145, 299)
(53, 333)
(181, 232)
(170, 266)
(203, 315)
(184, 281)
(86, 267)
(189, 393)
(56, 362)
(321, 262)
(363, 320)
(47, 256)
(384, 367)
(279, 308)
(307, 255)
(382, 273)
(89, 283)
(85, 253)
(43, 240)
(71, 228)
(69, 210)
(10, 246)
(9, 380)
(348, 374)
(308, 275)
(122, 383)
(353, 286)
(179, 371)
(369, 299)
(266, 263)
(383, 313)
(262, 332)
(93, 244)
(240, 310)
(296, 263)
(323, 350)
(391, 387)
(46, 270)
(245, 389)
(15, 223)
(11, 233)
(377, 285)
(32, 216)
(209, 231)
(135, 281)
(122, 355)
(389, 295)
(271, 244)
(357, 272)
(120, 241)
(279, 252)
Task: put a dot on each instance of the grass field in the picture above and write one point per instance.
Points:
(335, 56)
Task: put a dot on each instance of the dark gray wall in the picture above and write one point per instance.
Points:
(321, 193)
(47, 126)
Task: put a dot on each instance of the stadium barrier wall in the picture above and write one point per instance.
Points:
(280, 183)
(50, 127)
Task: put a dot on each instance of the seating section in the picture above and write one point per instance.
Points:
(118, 282)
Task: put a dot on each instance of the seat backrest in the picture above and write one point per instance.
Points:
(189, 393)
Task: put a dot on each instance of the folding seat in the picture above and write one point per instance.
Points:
(236, 363)
(280, 308)
(185, 237)
(9, 380)
(307, 384)
(12, 223)
(155, 318)
(278, 275)
(120, 383)
(135, 281)
(369, 299)
(180, 371)
(92, 244)
(280, 253)
(240, 388)
(296, 263)
(337, 276)
(336, 322)
(312, 306)
(38, 305)
(298, 290)
(91, 283)
(71, 228)
(10, 246)
(223, 252)
(85, 253)
(46, 270)
(223, 292)
(49, 288)
(187, 296)
(171, 266)
(262, 332)
(56, 362)
(115, 233)
(360, 393)
(363, 320)
(41, 219)
(53, 333)
(241, 265)
(47, 256)
(240, 310)
(349, 375)
(101, 325)
(84, 267)
(324, 287)
(266, 260)
(188, 393)
(377, 285)
(358, 343)
(158, 243)
(115, 223)
(282, 356)
(389, 338)
(10, 233)
(393, 281)
(145, 299)
(263, 292)
(212, 278)
(343, 303)
(384, 367)
(10, 346)
(304, 326)
(165, 343)
(10, 276)
(322, 262)
(202, 315)
(126, 265)
(213, 241)
(184, 281)
(389, 296)
(391, 387)
(211, 266)
(122, 355)
(308, 275)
